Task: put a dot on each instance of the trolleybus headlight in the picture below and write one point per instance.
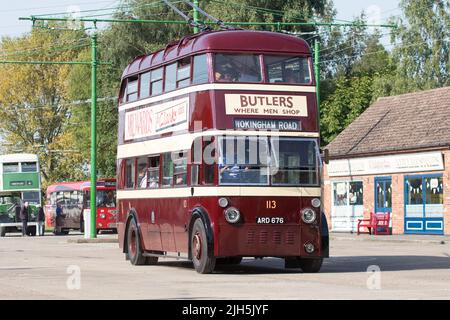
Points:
(223, 202)
(315, 202)
(309, 247)
(308, 215)
(232, 215)
(102, 216)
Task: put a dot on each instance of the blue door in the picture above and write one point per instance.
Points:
(424, 204)
(383, 194)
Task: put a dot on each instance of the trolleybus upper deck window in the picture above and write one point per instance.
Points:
(156, 82)
(132, 90)
(200, 72)
(184, 72)
(287, 69)
(170, 82)
(144, 83)
(237, 68)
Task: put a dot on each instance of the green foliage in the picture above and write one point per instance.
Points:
(421, 52)
(34, 109)
(349, 99)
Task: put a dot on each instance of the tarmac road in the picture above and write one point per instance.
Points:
(52, 268)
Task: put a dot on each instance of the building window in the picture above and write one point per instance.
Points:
(200, 72)
(415, 194)
(434, 190)
(348, 193)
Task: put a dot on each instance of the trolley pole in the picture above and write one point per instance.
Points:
(317, 72)
(195, 15)
(93, 231)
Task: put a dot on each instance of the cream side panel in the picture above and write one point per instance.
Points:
(221, 192)
(184, 141)
(219, 86)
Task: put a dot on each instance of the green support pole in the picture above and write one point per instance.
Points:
(195, 15)
(317, 73)
(93, 230)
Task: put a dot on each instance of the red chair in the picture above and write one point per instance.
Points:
(376, 222)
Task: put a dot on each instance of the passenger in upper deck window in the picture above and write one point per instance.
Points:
(290, 76)
(226, 75)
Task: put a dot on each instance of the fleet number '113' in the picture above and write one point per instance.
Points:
(271, 204)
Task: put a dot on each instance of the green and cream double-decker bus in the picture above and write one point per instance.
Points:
(19, 182)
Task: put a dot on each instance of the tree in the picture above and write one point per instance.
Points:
(421, 52)
(33, 98)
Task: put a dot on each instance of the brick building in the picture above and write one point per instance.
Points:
(395, 157)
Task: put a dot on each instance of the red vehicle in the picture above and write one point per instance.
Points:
(74, 197)
(218, 152)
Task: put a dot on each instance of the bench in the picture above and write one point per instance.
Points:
(379, 222)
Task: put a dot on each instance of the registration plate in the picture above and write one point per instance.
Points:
(270, 220)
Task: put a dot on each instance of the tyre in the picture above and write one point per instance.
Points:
(201, 258)
(134, 247)
(310, 265)
(82, 226)
(2, 231)
(65, 232)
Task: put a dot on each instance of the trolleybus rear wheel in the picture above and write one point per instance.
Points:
(203, 262)
(2, 231)
(134, 244)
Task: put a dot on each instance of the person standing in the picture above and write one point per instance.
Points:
(40, 221)
(59, 220)
(24, 211)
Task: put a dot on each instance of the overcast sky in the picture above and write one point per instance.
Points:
(10, 11)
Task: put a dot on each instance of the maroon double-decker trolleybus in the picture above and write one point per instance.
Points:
(218, 153)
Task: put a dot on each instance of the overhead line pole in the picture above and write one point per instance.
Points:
(195, 15)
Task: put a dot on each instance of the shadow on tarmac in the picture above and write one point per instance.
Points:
(331, 265)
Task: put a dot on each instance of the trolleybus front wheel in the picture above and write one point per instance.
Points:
(134, 244)
(2, 231)
(203, 262)
(135, 252)
(309, 265)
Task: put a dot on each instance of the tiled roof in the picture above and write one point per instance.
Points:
(409, 121)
